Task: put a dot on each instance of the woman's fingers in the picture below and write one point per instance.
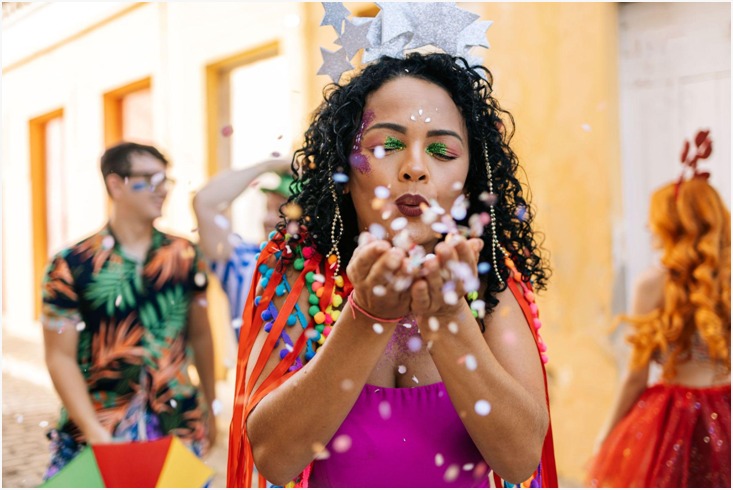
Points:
(364, 258)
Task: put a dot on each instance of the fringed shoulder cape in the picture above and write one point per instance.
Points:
(328, 292)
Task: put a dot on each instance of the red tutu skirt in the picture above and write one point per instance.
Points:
(674, 436)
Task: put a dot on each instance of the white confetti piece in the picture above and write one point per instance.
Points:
(433, 324)
(379, 152)
(401, 369)
(19, 419)
(378, 328)
(381, 192)
(174, 403)
(415, 380)
(414, 344)
(341, 443)
(379, 290)
(439, 460)
(347, 385)
(80, 326)
(200, 279)
(108, 242)
(385, 409)
(221, 221)
(118, 300)
(471, 363)
(319, 278)
(398, 223)
(377, 231)
(43, 424)
(450, 298)
(453, 327)
(586, 127)
(451, 474)
(482, 407)
(468, 467)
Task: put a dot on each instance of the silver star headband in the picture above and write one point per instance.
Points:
(400, 27)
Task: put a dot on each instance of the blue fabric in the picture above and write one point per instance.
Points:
(235, 275)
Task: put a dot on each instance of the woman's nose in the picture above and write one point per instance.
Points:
(414, 167)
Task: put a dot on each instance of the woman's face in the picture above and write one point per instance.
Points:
(412, 141)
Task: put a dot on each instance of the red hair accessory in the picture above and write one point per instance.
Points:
(704, 148)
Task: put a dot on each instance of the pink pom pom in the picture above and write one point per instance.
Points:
(327, 330)
(329, 320)
(537, 324)
(533, 309)
(307, 252)
(545, 359)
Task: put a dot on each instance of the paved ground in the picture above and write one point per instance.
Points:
(30, 405)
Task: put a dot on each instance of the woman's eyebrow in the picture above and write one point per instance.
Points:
(445, 132)
(387, 125)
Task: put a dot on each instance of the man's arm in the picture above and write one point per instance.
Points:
(216, 196)
(60, 348)
(199, 335)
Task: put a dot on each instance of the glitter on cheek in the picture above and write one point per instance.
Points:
(357, 159)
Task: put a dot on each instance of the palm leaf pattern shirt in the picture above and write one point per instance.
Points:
(131, 317)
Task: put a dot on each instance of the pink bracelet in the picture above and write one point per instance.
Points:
(361, 310)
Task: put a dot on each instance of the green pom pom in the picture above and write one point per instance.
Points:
(299, 264)
(313, 310)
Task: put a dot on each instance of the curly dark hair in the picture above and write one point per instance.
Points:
(329, 140)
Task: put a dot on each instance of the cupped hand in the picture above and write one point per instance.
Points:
(380, 276)
(446, 278)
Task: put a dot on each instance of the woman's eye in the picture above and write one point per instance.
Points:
(439, 150)
(392, 143)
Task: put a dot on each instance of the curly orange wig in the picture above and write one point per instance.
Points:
(693, 225)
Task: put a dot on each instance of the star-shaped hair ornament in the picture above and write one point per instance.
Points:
(335, 14)
(704, 147)
(401, 27)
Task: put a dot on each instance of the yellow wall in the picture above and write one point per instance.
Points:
(555, 70)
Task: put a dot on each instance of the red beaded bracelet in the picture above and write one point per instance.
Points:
(361, 310)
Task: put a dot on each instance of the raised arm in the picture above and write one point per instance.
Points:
(216, 196)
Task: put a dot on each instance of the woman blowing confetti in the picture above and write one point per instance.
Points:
(392, 337)
(676, 433)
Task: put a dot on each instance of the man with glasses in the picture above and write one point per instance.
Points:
(123, 310)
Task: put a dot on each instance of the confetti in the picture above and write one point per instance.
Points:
(347, 385)
(381, 192)
(450, 298)
(221, 221)
(480, 470)
(80, 326)
(378, 328)
(468, 467)
(342, 443)
(200, 279)
(379, 152)
(451, 474)
(203, 303)
(459, 209)
(439, 460)
(398, 223)
(586, 127)
(484, 267)
(275, 154)
(227, 131)
(379, 290)
(489, 198)
(108, 242)
(43, 424)
(320, 451)
(482, 407)
(377, 231)
(340, 178)
(433, 324)
(427, 119)
(453, 327)
(457, 186)
(414, 344)
(414, 380)
(471, 363)
(479, 306)
(19, 419)
(174, 403)
(118, 300)
(385, 409)
(402, 240)
(402, 369)
(521, 212)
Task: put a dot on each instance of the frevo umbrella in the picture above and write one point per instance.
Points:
(165, 462)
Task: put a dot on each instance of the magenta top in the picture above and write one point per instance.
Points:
(401, 437)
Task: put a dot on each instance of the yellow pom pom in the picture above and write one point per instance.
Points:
(337, 300)
(339, 280)
(335, 315)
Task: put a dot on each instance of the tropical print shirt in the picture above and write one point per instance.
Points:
(132, 318)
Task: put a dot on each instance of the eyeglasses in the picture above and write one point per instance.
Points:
(150, 182)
